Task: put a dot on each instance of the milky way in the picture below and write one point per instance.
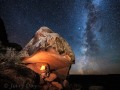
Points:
(91, 44)
(88, 61)
(91, 27)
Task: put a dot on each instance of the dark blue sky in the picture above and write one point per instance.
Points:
(91, 27)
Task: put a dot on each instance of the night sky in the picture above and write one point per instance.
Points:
(91, 27)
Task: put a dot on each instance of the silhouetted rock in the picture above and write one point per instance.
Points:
(3, 34)
(16, 46)
(18, 77)
(4, 38)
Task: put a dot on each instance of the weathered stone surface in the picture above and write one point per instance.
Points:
(49, 47)
(44, 39)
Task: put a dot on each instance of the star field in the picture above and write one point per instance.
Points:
(91, 27)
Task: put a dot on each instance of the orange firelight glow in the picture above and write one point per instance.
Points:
(59, 63)
(42, 67)
(55, 61)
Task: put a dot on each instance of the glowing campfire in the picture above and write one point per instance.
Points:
(42, 67)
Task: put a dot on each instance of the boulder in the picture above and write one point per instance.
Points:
(45, 38)
(49, 47)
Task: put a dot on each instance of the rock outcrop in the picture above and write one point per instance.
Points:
(4, 42)
(49, 47)
(44, 39)
(3, 34)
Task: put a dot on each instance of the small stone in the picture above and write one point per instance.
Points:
(58, 85)
(51, 77)
(65, 83)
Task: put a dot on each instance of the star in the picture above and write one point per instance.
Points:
(91, 27)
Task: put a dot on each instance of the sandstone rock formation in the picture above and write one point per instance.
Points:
(49, 47)
(45, 38)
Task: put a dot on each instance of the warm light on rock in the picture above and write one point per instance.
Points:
(49, 47)
(42, 68)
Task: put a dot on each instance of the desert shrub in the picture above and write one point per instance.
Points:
(18, 77)
(11, 55)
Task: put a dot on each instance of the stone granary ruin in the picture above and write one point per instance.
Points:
(51, 57)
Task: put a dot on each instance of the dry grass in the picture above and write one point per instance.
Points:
(11, 55)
